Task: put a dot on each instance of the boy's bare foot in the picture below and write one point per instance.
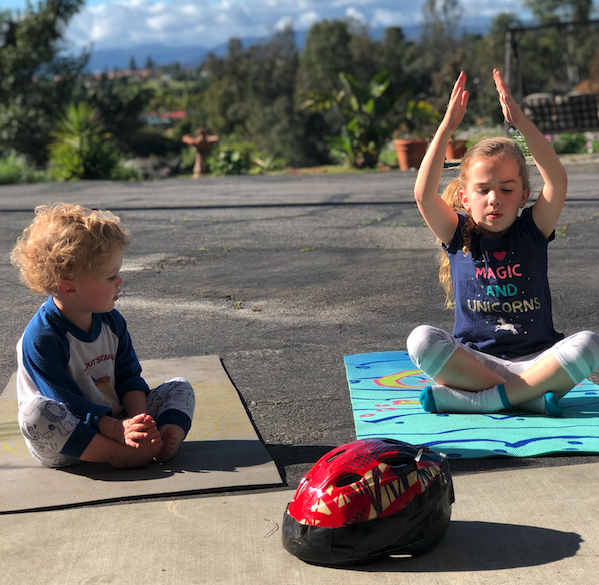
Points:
(142, 456)
(172, 436)
(104, 450)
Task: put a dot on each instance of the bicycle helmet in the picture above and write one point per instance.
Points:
(368, 499)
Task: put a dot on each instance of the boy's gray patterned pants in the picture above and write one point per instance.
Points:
(47, 425)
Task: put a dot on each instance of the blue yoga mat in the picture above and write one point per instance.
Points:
(385, 387)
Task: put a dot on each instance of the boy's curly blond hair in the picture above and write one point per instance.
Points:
(499, 147)
(65, 241)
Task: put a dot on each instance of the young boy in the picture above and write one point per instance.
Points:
(79, 385)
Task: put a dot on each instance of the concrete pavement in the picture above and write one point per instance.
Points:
(331, 265)
(532, 526)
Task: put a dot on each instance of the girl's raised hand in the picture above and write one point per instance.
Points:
(511, 110)
(456, 108)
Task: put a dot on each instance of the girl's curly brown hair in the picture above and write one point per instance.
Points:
(65, 241)
(499, 147)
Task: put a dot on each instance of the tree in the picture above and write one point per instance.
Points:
(252, 95)
(120, 105)
(557, 58)
(365, 52)
(278, 132)
(441, 53)
(482, 54)
(547, 11)
(36, 79)
(395, 52)
(326, 53)
(220, 104)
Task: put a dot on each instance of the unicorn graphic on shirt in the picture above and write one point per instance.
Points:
(503, 325)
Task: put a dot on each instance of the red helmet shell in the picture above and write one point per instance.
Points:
(363, 480)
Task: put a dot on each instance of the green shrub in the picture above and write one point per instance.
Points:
(188, 159)
(82, 149)
(575, 143)
(10, 171)
(388, 156)
(124, 172)
(14, 170)
(228, 162)
(521, 142)
(231, 157)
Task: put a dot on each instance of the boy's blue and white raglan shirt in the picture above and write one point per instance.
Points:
(88, 372)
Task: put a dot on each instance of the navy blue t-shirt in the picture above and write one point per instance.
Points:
(503, 301)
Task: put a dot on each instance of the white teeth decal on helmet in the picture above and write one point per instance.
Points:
(389, 496)
(309, 521)
(427, 474)
(372, 514)
(368, 476)
(321, 507)
(341, 500)
(386, 501)
(412, 478)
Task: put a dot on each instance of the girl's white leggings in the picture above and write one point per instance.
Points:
(430, 348)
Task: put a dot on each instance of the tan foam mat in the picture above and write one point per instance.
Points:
(221, 452)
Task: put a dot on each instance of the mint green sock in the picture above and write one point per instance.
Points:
(547, 404)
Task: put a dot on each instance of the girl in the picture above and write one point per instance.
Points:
(504, 351)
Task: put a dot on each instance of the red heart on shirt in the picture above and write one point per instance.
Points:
(500, 255)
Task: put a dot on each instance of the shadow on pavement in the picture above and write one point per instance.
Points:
(486, 546)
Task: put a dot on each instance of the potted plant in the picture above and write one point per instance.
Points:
(412, 137)
(456, 148)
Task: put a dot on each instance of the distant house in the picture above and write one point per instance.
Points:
(136, 75)
(163, 119)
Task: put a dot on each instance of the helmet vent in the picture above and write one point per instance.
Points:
(398, 461)
(401, 466)
(335, 455)
(348, 479)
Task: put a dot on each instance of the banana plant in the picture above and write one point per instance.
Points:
(367, 116)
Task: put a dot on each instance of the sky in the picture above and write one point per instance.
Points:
(110, 24)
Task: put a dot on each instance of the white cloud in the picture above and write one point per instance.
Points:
(205, 23)
(354, 14)
(307, 19)
(386, 18)
(284, 23)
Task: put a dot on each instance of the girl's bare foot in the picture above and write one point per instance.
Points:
(172, 436)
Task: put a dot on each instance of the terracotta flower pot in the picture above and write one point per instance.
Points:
(456, 149)
(410, 152)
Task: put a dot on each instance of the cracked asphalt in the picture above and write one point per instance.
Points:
(282, 276)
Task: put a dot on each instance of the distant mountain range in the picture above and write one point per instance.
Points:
(188, 57)
(191, 57)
